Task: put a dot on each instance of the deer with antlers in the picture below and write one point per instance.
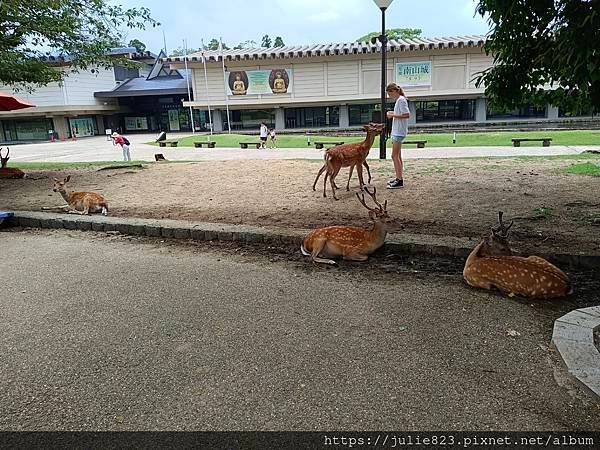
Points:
(80, 202)
(492, 264)
(8, 172)
(348, 155)
(352, 243)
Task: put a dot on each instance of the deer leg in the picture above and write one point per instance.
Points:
(323, 169)
(349, 176)
(360, 176)
(368, 171)
(318, 248)
(47, 208)
(325, 184)
(355, 257)
(332, 181)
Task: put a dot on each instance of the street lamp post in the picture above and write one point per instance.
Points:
(383, 5)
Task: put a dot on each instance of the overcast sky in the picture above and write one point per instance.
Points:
(299, 21)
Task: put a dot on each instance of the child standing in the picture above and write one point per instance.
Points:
(399, 116)
(273, 138)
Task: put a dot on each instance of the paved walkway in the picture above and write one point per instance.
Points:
(99, 149)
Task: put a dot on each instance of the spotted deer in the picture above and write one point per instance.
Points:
(80, 202)
(492, 264)
(352, 243)
(348, 155)
(8, 172)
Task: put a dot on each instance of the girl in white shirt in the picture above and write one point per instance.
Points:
(399, 116)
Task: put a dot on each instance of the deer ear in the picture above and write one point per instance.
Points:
(68, 178)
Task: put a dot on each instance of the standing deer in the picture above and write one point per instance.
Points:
(348, 155)
(492, 264)
(352, 243)
(80, 202)
(8, 172)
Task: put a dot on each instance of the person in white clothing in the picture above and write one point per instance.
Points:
(399, 116)
(263, 135)
(272, 135)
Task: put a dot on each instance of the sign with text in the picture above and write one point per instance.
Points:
(259, 82)
(413, 74)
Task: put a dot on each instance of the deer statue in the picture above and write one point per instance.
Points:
(8, 172)
(352, 243)
(348, 155)
(492, 264)
(80, 202)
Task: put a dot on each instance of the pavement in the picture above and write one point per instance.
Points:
(106, 332)
(98, 148)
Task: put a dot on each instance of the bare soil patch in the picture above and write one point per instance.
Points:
(553, 211)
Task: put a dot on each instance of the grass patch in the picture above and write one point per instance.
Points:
(542, 213)
(483, 139)
(589, 169)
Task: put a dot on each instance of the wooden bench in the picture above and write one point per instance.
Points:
(420, 144)
(159, 157)
(168, 143)
(246, 144)
(517, 141)
(210, 144)
(322, 144)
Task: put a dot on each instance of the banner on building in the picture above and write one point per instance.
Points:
(173, 120)
(413, 74)
(136, 123)
(259, 82)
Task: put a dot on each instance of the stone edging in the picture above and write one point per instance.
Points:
(573, 337)
(405, 243)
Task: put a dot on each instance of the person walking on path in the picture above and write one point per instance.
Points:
(399, 116)
(273, 136)
(124, 143)
(263, 135)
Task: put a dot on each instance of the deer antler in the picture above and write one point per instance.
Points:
(361, 199)
(373, 196)
(501, 230)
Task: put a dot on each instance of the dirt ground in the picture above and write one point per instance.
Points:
(553, 211)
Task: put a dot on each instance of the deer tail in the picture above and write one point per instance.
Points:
(303, 250)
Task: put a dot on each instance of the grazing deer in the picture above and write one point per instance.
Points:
(492, 264)
(8, 172)
(80, 202)
(352, 243)
(348, 155)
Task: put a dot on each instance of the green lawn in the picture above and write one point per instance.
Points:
(500, 138)
(589, 169)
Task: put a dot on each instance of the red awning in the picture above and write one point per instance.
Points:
(10, 102)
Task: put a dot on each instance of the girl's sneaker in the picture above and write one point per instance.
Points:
(396, 184)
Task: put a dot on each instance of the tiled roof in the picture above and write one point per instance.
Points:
(306, 51)
(136, 87)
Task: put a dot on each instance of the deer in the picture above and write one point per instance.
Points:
(352, 243)
(82, 203)
(9, 172)
(348, 155)
(492, 264)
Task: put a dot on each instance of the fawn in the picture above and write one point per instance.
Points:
(8, 172)
(352, 243)
(492, 264)
(348, 155)
(80, 202)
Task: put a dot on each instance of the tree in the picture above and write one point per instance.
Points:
(213, 44)
(266, 41)
(393, 33)
(278, 42)
(140, 47)
(180, 51)
(83, 31)
(537, 44)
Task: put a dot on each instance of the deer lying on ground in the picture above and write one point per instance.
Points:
(80, 202)
(8, 172)
(352, 243)
(348, 155)
(492, 264)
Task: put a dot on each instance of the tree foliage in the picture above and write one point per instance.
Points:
(278, 42)
(81, 30)
(246, 44)
(266, 41)
(393, 33)
(542, 43)
(139, 45)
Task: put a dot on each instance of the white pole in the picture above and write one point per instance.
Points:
(225, 85)
(210, 124)
(187, 78)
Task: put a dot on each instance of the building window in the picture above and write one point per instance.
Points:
(249, 119)
(445, 110)
(26, 130)
(125, 73)
(325, 116)
(525, 112)
(365, 113)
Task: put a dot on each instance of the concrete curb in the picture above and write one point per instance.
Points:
(405, 243)
(573, 337)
